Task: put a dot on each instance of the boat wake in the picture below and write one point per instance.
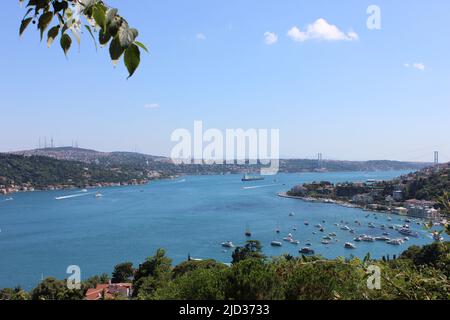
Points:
(73, 196)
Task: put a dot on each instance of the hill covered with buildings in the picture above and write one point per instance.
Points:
(417, 194)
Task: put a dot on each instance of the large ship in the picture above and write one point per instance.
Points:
(248, 177)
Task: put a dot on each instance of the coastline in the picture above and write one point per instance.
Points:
(335, 202)
(95, 186)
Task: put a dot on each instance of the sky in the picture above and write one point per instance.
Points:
(312, 69)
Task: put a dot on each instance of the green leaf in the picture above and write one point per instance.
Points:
(44, 21)
(65, 42)
(99, 15)
(24, 25)
(104, 37)
(89, 29)
(132, 59)
(115, 50)
(51, 35)
(139, 44)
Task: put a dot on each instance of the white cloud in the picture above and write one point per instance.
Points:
(321, 30)
(270, 38)
(200, 36)
(152, 106)
(416, 65)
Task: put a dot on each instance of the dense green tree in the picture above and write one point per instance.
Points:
(123, 272)
(53, 289)
(152, 274)
(198, 284)
(13, 294)
(252, 279)
(192, 265)
(252, 249)
(72, 17)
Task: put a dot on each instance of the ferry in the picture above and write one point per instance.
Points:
(248, 178)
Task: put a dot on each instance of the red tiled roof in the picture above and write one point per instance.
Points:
(103, 290)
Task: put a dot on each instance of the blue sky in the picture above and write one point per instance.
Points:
(384, 95)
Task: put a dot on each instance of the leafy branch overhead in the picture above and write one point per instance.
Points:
(102, 23)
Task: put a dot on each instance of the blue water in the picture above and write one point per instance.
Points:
(41, 236)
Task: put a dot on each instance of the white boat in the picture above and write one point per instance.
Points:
(327, 238)
(325, 242)
(98, 195)
(295, 242)
(276, 244)
(371, 225)
(345, 228)
(332, 234)
(349, 245)
(228, 244)
(395, 242)
(366, 238)
(306, 223)
(383, 238)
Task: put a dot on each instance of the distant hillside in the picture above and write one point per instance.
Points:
(164, 165)
(40, 172)
(426, 184)
(92, 156)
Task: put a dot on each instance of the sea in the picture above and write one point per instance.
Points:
(43, 233)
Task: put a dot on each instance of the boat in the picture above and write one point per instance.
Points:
(248, 233)
(325, 242)
(437, 237)
(83, 190)
(296, 242)
(276, 244)
(367, 238)
(332, 234)
(371, 225)
(407, 232)
(294, 228)
(358, 239)
(98, 195)
(248, 178)
(289, 238)
(306, 250)
(383, 238)
(395, 242)
(306, 223)
(228, 244)
(327, 238)
(349, 245)
(345, 228)
(319, 226)
(291, 214)
(385, 233)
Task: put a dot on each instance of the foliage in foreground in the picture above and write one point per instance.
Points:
(420, 273)
(112, 29)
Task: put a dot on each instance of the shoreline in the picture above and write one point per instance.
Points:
(338, 203)
(98, 186)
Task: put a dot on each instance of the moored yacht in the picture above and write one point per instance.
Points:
(349, 245)
(228, 244)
